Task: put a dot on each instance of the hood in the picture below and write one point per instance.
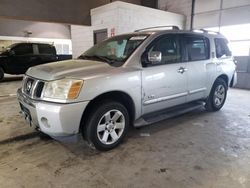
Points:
(76, 68)
(2, 54)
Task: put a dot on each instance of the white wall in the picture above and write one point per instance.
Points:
(15, 31)
(210, 13)
(82, 36)
(123, 17)
(17, 28)
(63, 46)
(213, 13)
(177, 6)
(131, 17)
(82, 39)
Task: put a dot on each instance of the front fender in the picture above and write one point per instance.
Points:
(128, 82)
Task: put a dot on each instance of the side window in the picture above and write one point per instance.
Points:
(221, 48)
(46, 49)
(169, 48)
(23, 49)
(197, 48)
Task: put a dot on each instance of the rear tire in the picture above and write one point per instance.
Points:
(217, 96)
(106, 126)
(1, 74)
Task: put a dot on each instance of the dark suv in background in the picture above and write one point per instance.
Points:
(17, 58)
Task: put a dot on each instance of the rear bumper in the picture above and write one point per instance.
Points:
(52, 118)
(234, 80)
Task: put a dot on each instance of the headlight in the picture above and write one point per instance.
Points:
(63, 89)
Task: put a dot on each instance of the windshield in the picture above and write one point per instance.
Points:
(115, 50)
(5, 50)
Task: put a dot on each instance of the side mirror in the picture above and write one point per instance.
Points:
(154, 57)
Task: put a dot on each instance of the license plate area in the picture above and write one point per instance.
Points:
(26, 114)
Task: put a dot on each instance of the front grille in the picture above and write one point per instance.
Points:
(39, 89)
(32, 87)
(29, 84)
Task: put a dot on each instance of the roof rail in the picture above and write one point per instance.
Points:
(208, 31)
(173, 27)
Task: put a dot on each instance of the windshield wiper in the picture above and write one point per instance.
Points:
(102, 58)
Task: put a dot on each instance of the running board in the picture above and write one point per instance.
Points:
(167, 113)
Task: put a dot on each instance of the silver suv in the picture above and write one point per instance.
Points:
(132, 79)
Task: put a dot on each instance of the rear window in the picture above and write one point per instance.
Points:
(197, 48)
(46, 49)
(221, 47)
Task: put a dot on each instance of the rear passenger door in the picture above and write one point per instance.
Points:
(47, 53)
(224, 60)
(199, 65)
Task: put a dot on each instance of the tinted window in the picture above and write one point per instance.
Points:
(197, 48)
(46, 49)
(23, 49)
(169, 48)
(221, 48)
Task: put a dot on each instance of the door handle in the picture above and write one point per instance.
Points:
(182, 70)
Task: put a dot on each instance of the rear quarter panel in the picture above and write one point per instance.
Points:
(218, 67)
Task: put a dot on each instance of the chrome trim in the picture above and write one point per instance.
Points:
(23, 83)
(34, 88)
(165, 98)
(32, 93)
(197, 90)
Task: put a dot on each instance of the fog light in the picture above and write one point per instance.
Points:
(45, 122)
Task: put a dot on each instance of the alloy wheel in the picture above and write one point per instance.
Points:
(111, 127)
(219, 95)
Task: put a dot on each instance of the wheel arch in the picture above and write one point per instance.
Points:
(2, 71)
(2, 67)
(224, 77)
(118, 96)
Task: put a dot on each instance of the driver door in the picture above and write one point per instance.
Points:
(20, 60)
(165, 82)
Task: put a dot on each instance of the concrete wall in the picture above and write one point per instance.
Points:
(210, 13)
(132, 17)
(122, 17)
(177, 6)
(82, 39)
(213, 13)
(14, 31)
(18, 28)
(59, 11)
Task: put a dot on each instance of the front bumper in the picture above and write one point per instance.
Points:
(234, 80)
(53, 119)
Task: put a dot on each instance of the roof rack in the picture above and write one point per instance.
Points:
(173, 27)
(207, 31)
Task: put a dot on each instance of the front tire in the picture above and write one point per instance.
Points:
(106, 126)
(217, 96)
(1, 74)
